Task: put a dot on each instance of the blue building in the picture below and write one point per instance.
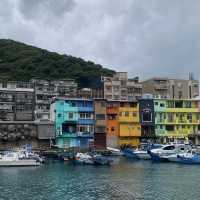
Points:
(74, 122)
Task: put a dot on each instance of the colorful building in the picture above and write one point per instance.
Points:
(100, 124)
(147, 118)
(129, 123)
(112, 111)
(176, 119)
(74, 122)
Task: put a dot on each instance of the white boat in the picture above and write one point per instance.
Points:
(114, 151)
(16, 159)
(84, 158)
(168, 152)
(142, 154)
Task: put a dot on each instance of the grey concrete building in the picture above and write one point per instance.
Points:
(17, 101)
(119, 87)
(44, 92)
(161, 87)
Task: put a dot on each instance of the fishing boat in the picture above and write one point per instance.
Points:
(84, 158)
(168, 152)
(17, 159)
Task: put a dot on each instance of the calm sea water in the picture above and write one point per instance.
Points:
(125, 180)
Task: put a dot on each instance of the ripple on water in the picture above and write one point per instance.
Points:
(127, 180)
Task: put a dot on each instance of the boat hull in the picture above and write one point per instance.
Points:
(19, 163)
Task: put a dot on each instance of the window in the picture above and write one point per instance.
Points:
(59, 115)
(100, 129)
(134, 114)
(189, 117)
(85, 115)
(146, 115)
(162, 105)
(170, 117)
(188, 104)
(70, 115)
(100, 116)
(169, 148)
(161, 126)
(169, 127)
(126, 114)
(180, 94)
(179, 104)
(156, 103)
(112, 129)
(103, 104)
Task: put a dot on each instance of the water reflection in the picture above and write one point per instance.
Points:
(125, 180)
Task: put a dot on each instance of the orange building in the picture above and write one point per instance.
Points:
(123, 124)
(112, 123)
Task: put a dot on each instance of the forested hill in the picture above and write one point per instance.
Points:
(19, 61)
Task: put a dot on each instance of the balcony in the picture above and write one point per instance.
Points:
(85, 134)
(112, 110)
(124, 119)
(86, 109)
(160, 87)
(85, 121)
(67, 135)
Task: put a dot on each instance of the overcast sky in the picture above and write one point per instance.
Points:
(144, 37)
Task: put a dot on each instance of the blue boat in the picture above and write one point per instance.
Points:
(142, 152)
(189, 158)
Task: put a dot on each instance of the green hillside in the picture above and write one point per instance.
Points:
(19, 61)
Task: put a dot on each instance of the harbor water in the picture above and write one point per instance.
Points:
(125, 180)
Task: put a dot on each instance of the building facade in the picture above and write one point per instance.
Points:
(161, 87)
(129, 124)
(147, 118)
(176, 119)
(100, 124)
(45, 90)
(74, 122)
(17, 101)
(119, 87)
(112, 112)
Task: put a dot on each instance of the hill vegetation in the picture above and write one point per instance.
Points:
(19, 61)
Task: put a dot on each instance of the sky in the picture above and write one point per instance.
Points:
(143, 37)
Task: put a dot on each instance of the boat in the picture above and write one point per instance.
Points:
(189, 158)
(114, 151)
(167, 152)
(84, 158)
(102, 160)
(17, 159)
(141, 152)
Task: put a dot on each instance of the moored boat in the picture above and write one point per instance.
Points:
(114, 151)
(167, 152)
(84, 158)
(17, 159)
(189, 158)
(141, 152)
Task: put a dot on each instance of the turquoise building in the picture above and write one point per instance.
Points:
(74, 122)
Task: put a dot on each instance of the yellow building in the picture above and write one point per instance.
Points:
(176, 118)
(129, 124)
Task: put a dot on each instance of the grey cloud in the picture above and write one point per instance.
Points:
(36, 8)
(146, 38)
